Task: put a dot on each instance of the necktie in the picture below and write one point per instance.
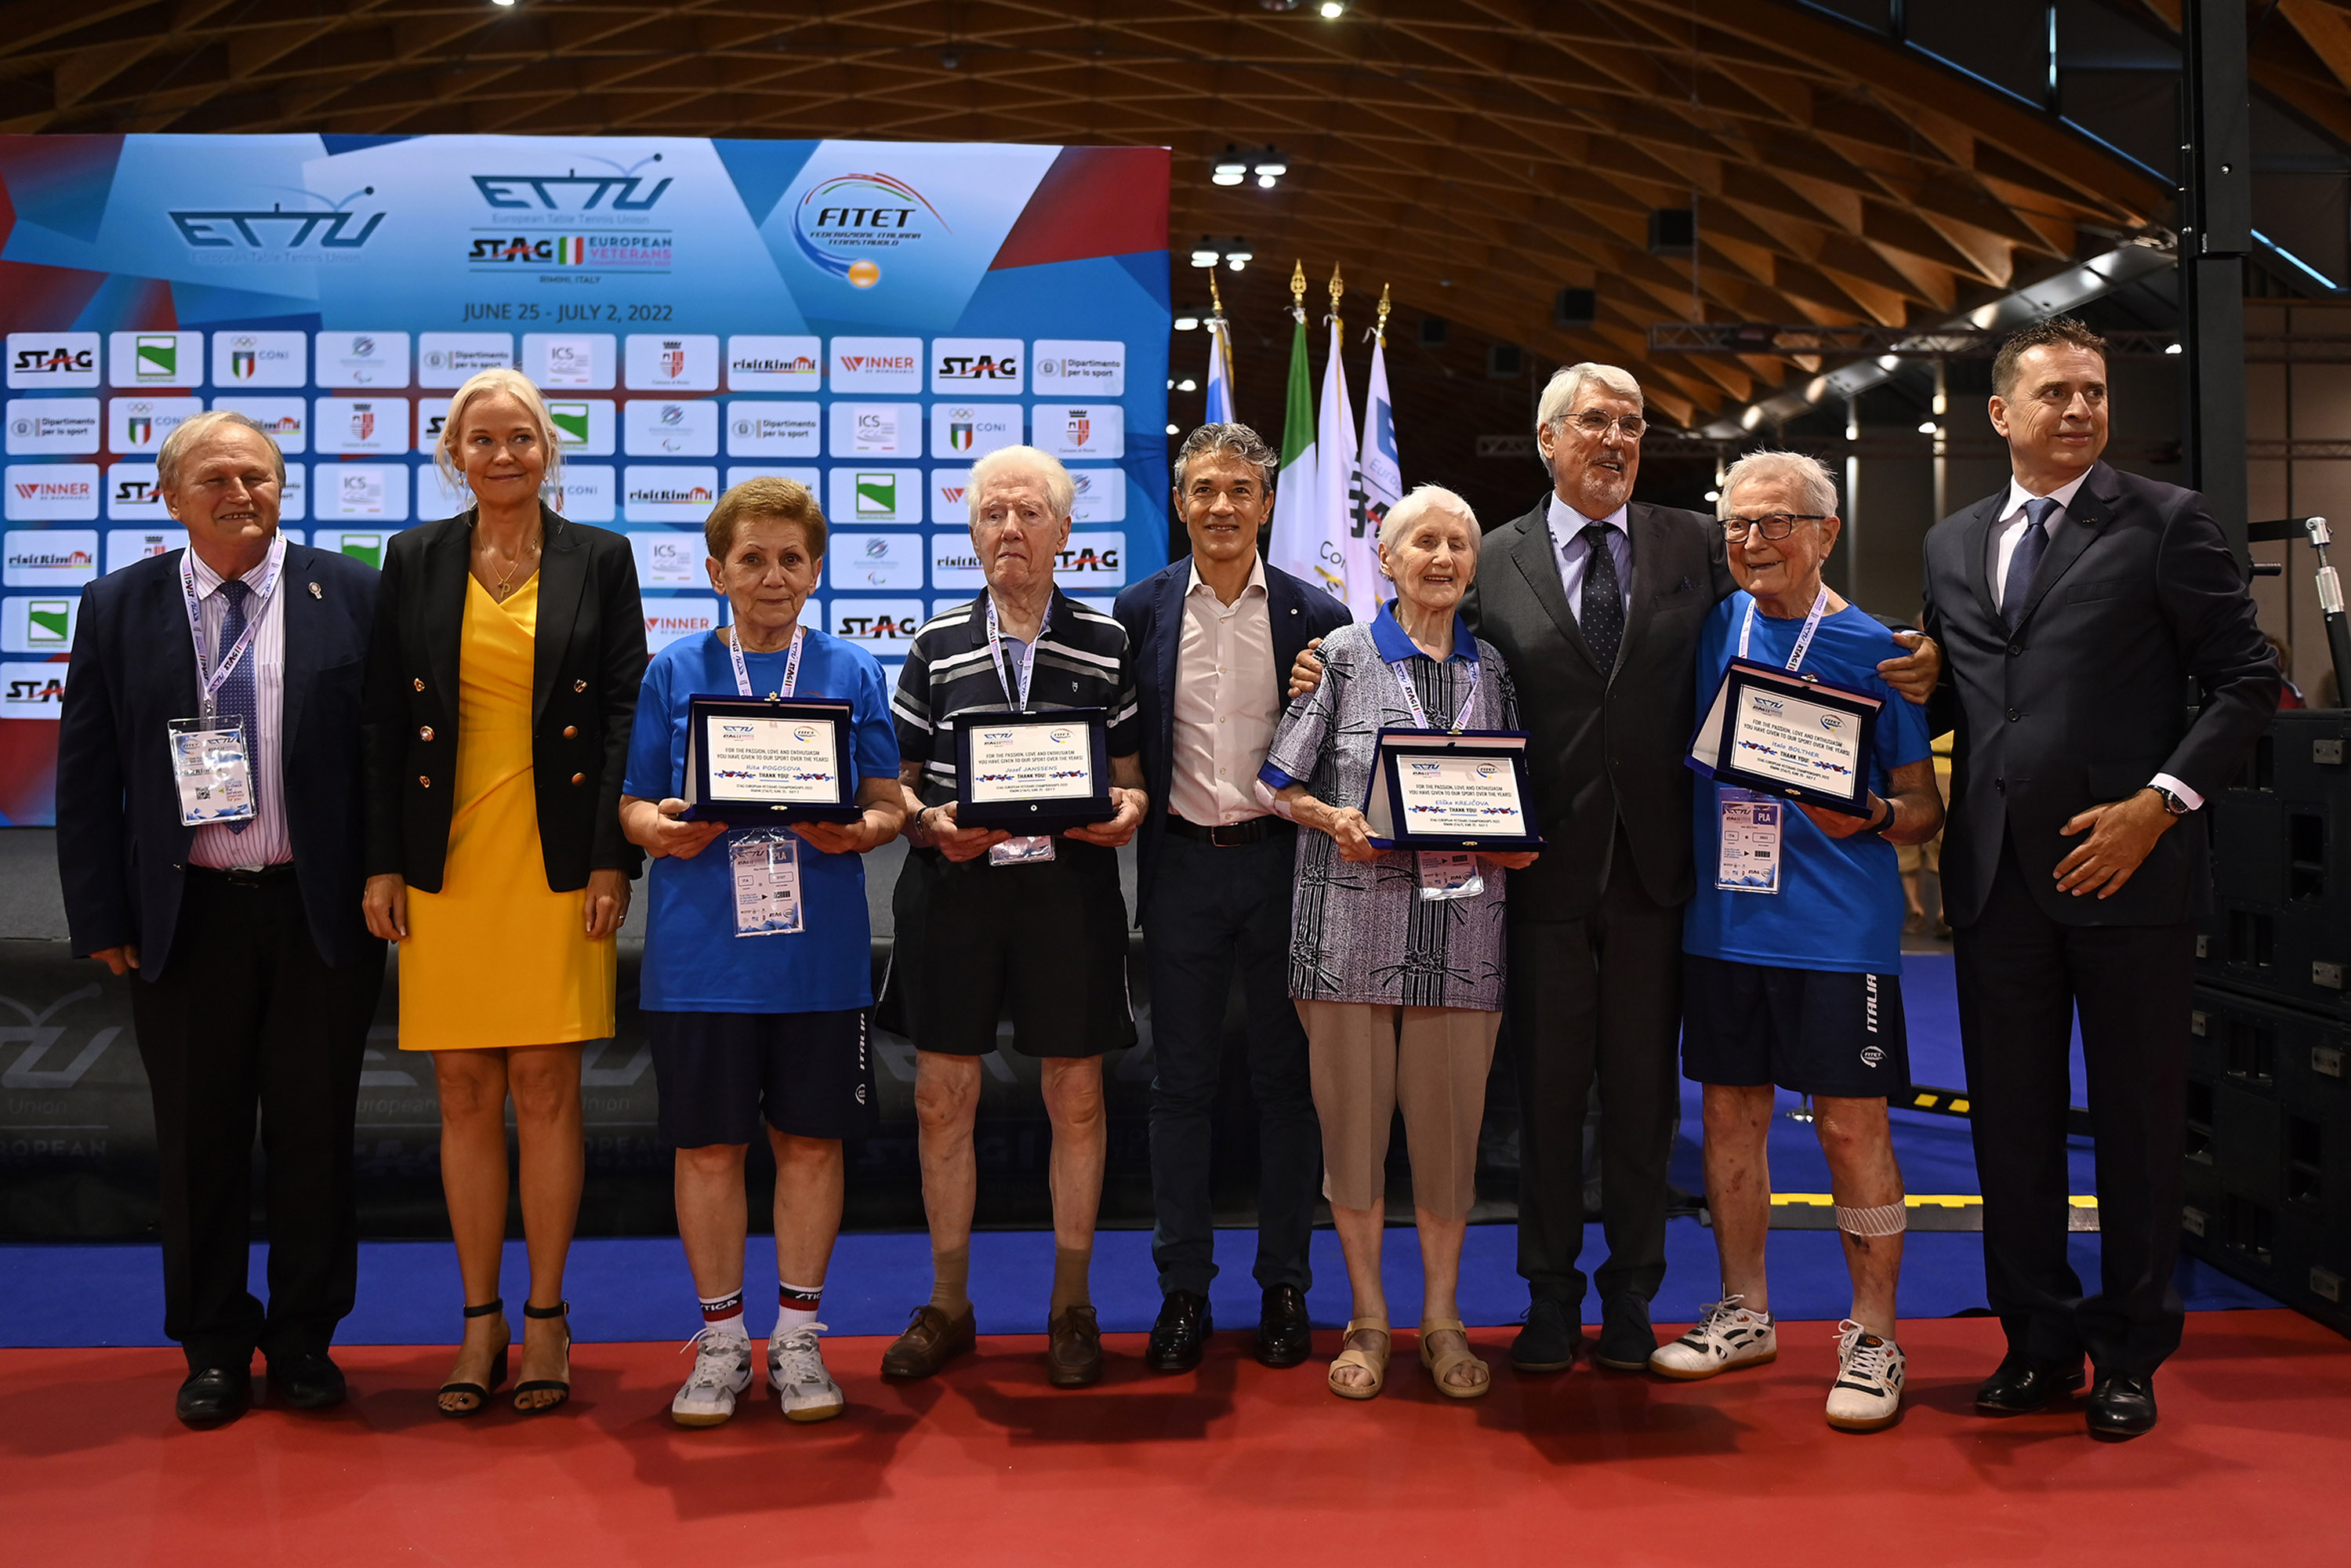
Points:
(1602, 613)
(2026, 559)
(237, 700)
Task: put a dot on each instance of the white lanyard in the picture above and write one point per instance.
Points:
(254, 611)
(1027, 670)
(1803, 638)
(1412, 698)
(743, 673)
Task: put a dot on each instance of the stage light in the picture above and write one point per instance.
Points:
(1174, 429)
(1236, 262)
(1205, 254)
(1188, 323)
(1188, 384)
(502, 2)
(1333, 9)
(1271, 162)
(1926, 427)
(2172, 349)
(1265, 182)
(1714, 494)
(1231, 168)
(1238, 254)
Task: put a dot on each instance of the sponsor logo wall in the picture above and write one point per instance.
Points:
(866, 319)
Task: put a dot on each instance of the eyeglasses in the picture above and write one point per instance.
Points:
(1594, 424)
(1771, 525)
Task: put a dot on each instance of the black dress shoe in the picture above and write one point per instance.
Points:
(2021, 1385)
(1626, 1340)
(214, 1396)
(1285, 1335)
(1180, 1338)
(1548, 1342)
(308, 1381)
(2122, 1406)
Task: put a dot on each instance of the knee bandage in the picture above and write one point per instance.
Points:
(1885, 1219)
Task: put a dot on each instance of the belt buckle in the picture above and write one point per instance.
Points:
(1217, 830)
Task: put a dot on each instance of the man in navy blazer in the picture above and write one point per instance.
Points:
(255, 977)
(2075, 606)
(1213, 637)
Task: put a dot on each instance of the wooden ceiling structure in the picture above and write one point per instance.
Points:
(1477, 155)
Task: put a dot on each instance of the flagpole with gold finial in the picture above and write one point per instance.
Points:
(1224, 332)
(1297, 290)
(1337, 289)
(1381, 331)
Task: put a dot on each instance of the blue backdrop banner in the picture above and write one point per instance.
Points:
(867, 318)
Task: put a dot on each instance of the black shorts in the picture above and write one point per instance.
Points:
(1816, 1031)
(1044, 943)
(811, 1074)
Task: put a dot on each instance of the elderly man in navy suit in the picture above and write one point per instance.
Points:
(1212, 637)
(225, 876)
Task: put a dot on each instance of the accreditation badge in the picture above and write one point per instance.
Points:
(1449, 873)
(213, 769)
(764, 866)
(1749, 856)
(1035, 849)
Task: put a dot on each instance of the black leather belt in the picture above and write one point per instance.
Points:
(1229, 835)
(239, 878)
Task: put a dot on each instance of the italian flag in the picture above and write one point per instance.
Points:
(571, 250)
(1297, 543)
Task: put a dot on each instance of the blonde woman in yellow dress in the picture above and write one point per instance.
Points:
(502, 679)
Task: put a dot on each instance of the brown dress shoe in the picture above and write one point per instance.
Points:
(932, 1340)
(1073, 1357)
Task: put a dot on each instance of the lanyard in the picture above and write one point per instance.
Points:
(1412, 698)
(1803, 638)
(1028, 669)
(743, 673)
(259, 607)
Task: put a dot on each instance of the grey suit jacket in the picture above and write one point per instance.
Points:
(1607, 746)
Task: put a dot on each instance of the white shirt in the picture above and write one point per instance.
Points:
(1226, 703)
(2009, 532)
(1569, 547)
(264, 841)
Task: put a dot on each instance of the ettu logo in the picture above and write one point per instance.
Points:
(255, 229)
(1765, 704)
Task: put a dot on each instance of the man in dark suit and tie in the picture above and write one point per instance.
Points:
(254, 976)
(2073, 607)
(1212, 636)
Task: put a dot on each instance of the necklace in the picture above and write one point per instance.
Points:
(505, 585)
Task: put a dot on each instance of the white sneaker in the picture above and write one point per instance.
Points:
(722, 1369)
(1867, 1395)
(1728, 1336)
(804, 1389)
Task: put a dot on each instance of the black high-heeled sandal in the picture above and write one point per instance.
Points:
(480, 1394)
(561, 1385)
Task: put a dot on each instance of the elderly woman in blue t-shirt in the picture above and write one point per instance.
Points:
(1791, 965)
(748, 1022)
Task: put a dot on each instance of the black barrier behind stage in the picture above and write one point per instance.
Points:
(76, 1131)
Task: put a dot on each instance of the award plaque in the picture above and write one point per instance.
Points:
(1432, 790)
(748, 760)
(1033, 773)
(1779, 733)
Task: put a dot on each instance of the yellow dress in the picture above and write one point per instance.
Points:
(495, 958)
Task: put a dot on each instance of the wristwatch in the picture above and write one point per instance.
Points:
(1878, 831)
(2171, 801)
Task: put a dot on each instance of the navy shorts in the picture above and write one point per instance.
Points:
(811, 1075)
(1815, 1031)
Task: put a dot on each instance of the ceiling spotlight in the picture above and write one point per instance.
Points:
(1174, 429)
(1188, 323)
(1333, 9)
(502, 2)
(1188, 384)
(1714, 494)
(2172, 349)
(1927, 427)
(948, 58)
(1270, 161)
(1205, 254)
(1230, 169)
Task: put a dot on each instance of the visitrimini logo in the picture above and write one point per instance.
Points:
(842, 221)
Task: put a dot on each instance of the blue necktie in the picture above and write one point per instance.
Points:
(2026, 559)
(237, 698)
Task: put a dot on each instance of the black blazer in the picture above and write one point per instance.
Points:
(589, 661)
(2086, 701)
(1603, 744)
(1152, 612)
(121, 852)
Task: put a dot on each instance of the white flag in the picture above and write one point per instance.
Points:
(1334, 477)
(1379, 484)
(1220, 391)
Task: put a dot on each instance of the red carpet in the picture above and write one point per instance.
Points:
(1233, 1465)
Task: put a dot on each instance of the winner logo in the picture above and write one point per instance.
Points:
(844, 218)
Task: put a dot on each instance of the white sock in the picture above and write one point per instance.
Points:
(796, 1306)
(723, 1314)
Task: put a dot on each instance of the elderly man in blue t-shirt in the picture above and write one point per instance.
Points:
(1793, 949)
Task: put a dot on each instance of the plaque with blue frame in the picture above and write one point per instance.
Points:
(753, 761)
(1434, 791)
(1780, 733)
(1033, 773)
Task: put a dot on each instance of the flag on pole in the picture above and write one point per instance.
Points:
(1379, 481)
(1298, 541)
(1220, 360)
(1334, 477)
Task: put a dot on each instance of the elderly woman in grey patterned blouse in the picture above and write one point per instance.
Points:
(1396, 959)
